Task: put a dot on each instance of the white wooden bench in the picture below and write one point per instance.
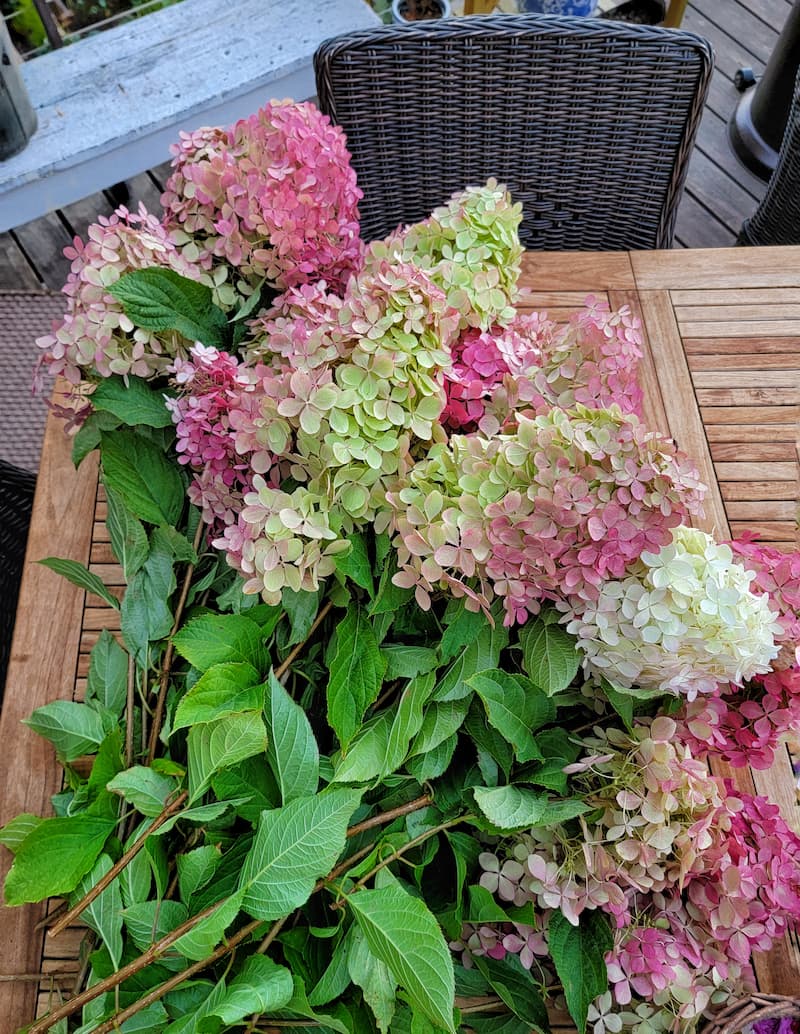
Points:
(109, 106)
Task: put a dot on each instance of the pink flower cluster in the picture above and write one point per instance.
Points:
(274, 197)
(95, 336)
(551, 511)
(694, 875)
(531, 364)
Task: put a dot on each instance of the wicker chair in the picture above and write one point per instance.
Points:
(777, 218)
(739, 1016)
(16, 500)
(590, 123)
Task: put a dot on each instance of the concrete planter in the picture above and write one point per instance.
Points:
(399, 19)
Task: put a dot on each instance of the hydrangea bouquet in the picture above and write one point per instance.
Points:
(421, 659)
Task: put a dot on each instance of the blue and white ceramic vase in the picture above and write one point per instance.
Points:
(581, 8)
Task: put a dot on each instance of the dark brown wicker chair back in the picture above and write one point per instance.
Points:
(590, 123)
(777, 218)
(16, 500)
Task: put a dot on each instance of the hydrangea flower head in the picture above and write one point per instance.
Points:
(683, 620)
(274, 197)
(95, 336)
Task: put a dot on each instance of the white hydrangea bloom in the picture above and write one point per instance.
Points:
(682, 621)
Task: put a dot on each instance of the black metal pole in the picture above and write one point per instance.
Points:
(49, 23)
(757, 125)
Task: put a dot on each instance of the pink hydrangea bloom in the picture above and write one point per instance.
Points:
(274, 196)
(95, 336)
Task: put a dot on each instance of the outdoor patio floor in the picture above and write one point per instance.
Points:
(720, 192)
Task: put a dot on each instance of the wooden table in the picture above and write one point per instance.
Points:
(721, 374)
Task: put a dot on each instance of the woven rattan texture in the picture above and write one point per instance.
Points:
(738, 1017)
(590, 123)
(777, 218)
(23, 318)
(16, 500)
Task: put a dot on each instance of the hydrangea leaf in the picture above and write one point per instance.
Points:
(292, 751)
(199, 942)
(294, 846)
(14, 832)
(515, 808)
(260, 986)
(578, 953)
(549, 652)
(55, 856)
(217, 638)
(146, 790)
(196, 868)
(482, 653)
(402, 933)
(462, 627)
(374, 979)
(108, 674)
(104, 914)
(150, 484)
(73, 729)
(621, 701)
(228, 688)
(356, 564)
(79, 575)
(516, 708)
(218, 745)
(161, 299)
(406, 662)
(148, 921)
(132, 401)
(439, 723)
(356, 673)
(146, 614)
(517, 989)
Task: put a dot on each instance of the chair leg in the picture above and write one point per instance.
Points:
(677, 9)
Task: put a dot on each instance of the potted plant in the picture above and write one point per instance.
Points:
(577, 8)
(410, 11)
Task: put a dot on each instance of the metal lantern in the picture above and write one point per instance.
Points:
(17, 117)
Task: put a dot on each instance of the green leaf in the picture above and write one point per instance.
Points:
(73, 729)
(374, 979)
(128, 537)
(366, 755)
(219, 745)
(356, 672)
(516, 708)
(107, 764)
(108, 674)
(55, 856)
(292, 751)
(441, 721)
(132, 401)
(407, 721)
(146, 615)
(356, 564)
(487, 739)
(80, 576)
(402, 932)
(217, 638)
(336, 978)
(294, 846)
(462, 628)
(301, 609)
(136, 878)
(621, 701)
(252, 781)
(483, 908)
(202, 939)
(104, 914)
(196, 868)
(161, 299)
(516, 808)
(87, 438)
(228, 688)
(517, 989)
(205, 813)
(149, 921)
(149, 484)
(171, 541)
(146, 790)
(14, 832)
(550, 654)
(299, 1007)
(434, 762)
(578, 953)
(482, 653)
(406, 662)
(260, 986)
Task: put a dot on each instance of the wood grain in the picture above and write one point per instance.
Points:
(41, 669)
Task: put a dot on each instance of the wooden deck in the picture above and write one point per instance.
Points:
(720, 192)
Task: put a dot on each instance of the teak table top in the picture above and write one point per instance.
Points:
(721, 374)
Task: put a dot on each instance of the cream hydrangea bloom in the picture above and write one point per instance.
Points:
(682, 621)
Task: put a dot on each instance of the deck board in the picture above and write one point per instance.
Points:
(720, 193)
